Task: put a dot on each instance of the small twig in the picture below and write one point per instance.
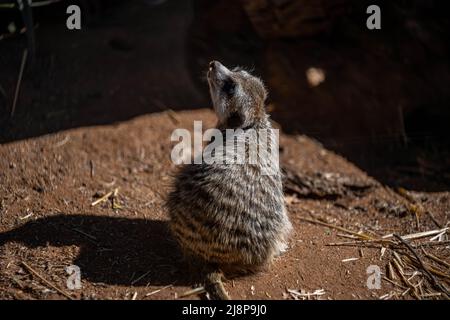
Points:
(355, 244)
(430, 275)
(84, 234)
(413, 261)
(193, 291)
(35, 273)
(418, 235)
(438, 237)
(402, 276)
(359, 235)
(104, 198)
(386, 296)
(432, 217)
(438, 260)
(307, 295)
(173, 116)
(141, 277)
(158, 290)
(348, 236)
(374, 244)
(27, 216)
(416, 214)
(19, 81)
(91, 164)
(115, 205)
(63, 141)
(391, 271)
(394, 283)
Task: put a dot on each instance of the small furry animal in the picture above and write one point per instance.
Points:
(231, 217)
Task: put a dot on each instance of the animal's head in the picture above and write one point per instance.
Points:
(238, 97)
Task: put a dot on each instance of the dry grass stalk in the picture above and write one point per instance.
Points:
(141, 277)
(418, 235)
(188, 293)
(405, 281)
(433, 294)
(389, 295)
(438, 285)
(115, 205)
(436, 259)
(112, 194)
(305, 295)
(438, 237)
(173, 116)
(19, 81)
(158, 290)
(85, 234)
(391, 272)
(347, 236)
(356, 234)
(104, 198)
(397, 257)
(394, 283)
(48, 283)
(413, 262)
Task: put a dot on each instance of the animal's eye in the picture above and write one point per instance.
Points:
(228, 87)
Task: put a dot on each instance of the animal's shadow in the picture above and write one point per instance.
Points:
(117, 251)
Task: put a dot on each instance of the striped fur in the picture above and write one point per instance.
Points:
(231, 215)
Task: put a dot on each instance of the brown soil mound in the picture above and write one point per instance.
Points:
(122, 245)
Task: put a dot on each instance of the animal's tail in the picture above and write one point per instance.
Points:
(214, 286)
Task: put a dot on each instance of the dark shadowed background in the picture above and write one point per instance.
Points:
(384, 102)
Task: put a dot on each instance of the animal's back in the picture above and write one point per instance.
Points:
(229, 214)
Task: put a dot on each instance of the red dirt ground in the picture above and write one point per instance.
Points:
(47, 220)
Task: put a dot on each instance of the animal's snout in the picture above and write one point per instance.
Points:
(216, 66)
(217, 70)
(212, 65)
